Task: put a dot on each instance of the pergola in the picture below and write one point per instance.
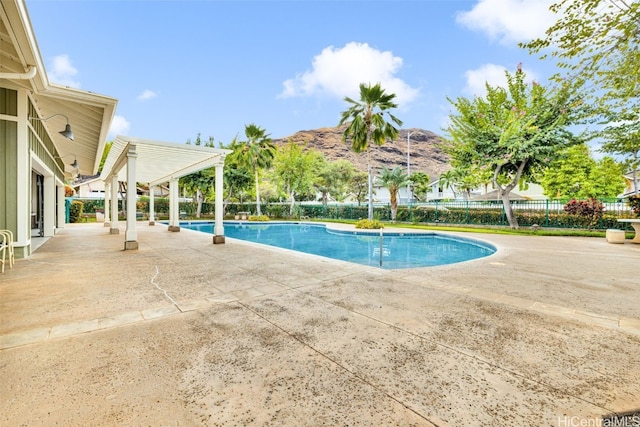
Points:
(135, 160)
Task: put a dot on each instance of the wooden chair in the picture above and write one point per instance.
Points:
(7, 248)
(3, 248)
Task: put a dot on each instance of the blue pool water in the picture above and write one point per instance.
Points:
(399, 250)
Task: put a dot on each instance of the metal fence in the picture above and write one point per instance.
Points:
(543, 213)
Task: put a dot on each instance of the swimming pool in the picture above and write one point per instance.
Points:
(396, 250)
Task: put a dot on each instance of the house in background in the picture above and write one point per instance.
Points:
(48, 133)
(532, 192)
(92, 187)
(632, 180)
(437, 192)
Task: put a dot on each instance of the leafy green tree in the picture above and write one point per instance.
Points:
(324, 181)
(344, 172)
(210, 143)
(568, 175)
(393, 180)
(601, 53)
(105, 153)
(200, 184)
(514, 131)
(467, 179)
(575, 174)
(333, 179)
(358, 186)
(602, 47)
(366, 125)
(420, 185)
(257, 153)
(484, 177)
(607, 178)
(623, 140)
(295, 169)
(269, 191)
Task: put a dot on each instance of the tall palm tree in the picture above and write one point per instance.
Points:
(237, 175)
(367, 124)
(393, 180)
(256, 152)
(449, 179)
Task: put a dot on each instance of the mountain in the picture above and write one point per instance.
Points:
(425, 153)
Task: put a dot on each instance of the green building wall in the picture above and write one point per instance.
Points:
(8, 160)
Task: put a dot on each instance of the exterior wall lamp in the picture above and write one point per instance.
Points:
(75, 164)
(67, 129)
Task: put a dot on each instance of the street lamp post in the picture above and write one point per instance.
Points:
(409, 167)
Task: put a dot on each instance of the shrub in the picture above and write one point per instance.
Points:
(366, 224)
(75, 211)
(279, 211)
(634, 202)
(591, 210)
(258, 218)
(143, 205)
(92, 205)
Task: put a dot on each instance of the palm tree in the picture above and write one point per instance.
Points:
(367, 124)
(256, 152)
(449, 179)
(393, 180)
(419, 186)
(237, 176)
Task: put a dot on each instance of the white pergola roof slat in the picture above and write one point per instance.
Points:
(134, 160)
(158, 162)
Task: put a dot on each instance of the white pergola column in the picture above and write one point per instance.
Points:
(107, 205)
(131, 234)
(218, 229)
(114, 206)
(152, 213)
(174, 214)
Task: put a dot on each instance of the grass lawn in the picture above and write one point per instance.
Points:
(525, 231)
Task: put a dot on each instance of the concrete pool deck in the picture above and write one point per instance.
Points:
(184, 332)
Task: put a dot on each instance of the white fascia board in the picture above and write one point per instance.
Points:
(179, 173)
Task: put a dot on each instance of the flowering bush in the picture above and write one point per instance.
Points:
(591, 210)
(366, 224)
(634, 202)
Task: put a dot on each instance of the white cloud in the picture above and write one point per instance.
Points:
(147, 94)
(338, 72)
(487, 73)
(119, 126)
(62, 72)
(509, 21)
(492, 74)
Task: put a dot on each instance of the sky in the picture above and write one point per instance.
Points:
(180, 68)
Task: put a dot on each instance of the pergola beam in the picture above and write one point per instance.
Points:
(153, 162)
